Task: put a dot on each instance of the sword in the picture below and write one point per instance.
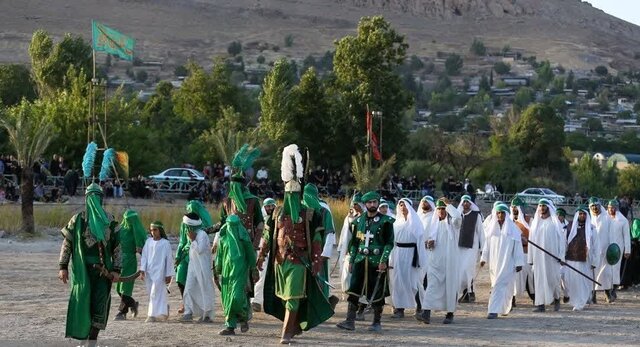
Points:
(563, 263)
(105, 273)
(375, 289)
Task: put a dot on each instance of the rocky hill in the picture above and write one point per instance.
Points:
(569, 32)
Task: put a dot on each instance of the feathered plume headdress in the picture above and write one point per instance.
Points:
(89, 159)
(291, 169)
(244, 158)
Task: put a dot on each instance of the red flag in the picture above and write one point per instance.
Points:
(373, 140)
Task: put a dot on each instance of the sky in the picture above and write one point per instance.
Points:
(628, 10)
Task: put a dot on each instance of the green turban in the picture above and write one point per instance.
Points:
(544, 202)
(465, 198)
(593, 201)
(561, 212)
(131, 221)
(517, 201)
(268, 201)
(613, 203)
(502, 208)
(356, 199)
(96, 216)
(441, 204)
(310, 197)
(583, 208)
(372, 195)
(198, 208)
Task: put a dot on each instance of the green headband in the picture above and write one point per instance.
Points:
(372, 195)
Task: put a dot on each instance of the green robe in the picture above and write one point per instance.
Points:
(364, 273)
(234, 260)
(182, 255)
(130, 239)
(314, 305)
(90, 297)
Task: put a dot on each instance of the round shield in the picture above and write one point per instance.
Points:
(613, 254)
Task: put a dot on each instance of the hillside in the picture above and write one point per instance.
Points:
(568, 32)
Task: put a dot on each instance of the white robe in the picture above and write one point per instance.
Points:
(426, 223)
(404, 279)
(503, 252)
(604, 272)
(198, 291)
(546, 270)
(469, 256)
(157, 264)
(343, 252)
(524, 277)
(443, 273)
(577, 287)
(619, 234)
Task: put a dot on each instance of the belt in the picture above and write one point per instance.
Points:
(415, 260)
(370, 251)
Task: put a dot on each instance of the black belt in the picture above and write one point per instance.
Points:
(413, 245)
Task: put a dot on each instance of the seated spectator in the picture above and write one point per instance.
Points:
(262, 175)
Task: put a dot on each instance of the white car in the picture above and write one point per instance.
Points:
(533, 195)
(179, 174)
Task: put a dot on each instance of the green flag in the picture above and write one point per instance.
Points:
(108, 40)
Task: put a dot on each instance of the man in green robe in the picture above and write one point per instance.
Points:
(132, 238)
(295, 245)
(182, 252)
(235, 261)
(312, 200)
(369, 248)
(91, 246)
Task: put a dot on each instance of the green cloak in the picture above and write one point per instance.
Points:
(234, 260)
(132, 236)
(182, 252)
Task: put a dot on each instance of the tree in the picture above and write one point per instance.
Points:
(260, 59)
(484, 86)
(524, 96)
(478, 48)
(601, 70)
(15, 84)
(453, 65)
(29, 129)
(545, 74)
(50, 63)
(141, 76)
(589, 176)
(629, 181)
(366, 176)
(501, 68)
(594, 124)
(180, 71)
(539, 136)
(288, 40)
(569, 82)
(276, 120)
(415, 63)
(234, 48)
(364, 68)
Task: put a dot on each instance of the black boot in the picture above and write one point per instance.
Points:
(425, 316)
(556, 304)
(594, 299)
(398, 313)
(539, 308)
(607, 294)
(614, 294)
(513, 302)
(472, 297)
(464, 297)
(448, 319)
(350, 322)
(377, 315)
(360, 313)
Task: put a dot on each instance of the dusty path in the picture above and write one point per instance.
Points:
(33, 304)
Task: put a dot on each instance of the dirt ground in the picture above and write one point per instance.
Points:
(33, 304)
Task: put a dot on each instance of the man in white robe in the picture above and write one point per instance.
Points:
(470, 242)
(601, 226)
(407, 259)
(386, 209)
(443, 270)
(524, 278)
(425, 212)
(621, 236)
(198, 291)
(581, 254)
(503, 251)
(156, 266)
(547, 233)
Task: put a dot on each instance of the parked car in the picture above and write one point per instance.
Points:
(179, 174)
(533, 195)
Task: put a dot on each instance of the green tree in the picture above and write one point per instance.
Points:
(453, 65)
(478, 48)
(368, 177)
(601, 70)
(501, 68)
(545, 74)
(260, 59)
(524, 97)
(141, 76)
(485, 86)
(569, 82)
(234, 48)
(539, 136)
(589, 176)
(629, 181)
(50, 62)
(15, 84)
(29, 129)
(364, 68)
(180, 71)
(288, 40)
(276, 119)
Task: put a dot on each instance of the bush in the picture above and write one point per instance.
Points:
(276, 48)
(234, 48)
(137, 61)
(288, 40)
(601, 70)
(180, 71)
(453, 64)
(141, 76)
(501, 68)
(260, 59)
(478, 47)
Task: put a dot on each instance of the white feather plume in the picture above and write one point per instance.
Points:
(287, 170)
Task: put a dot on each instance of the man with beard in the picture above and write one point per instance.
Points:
(425, 212)
(582, 255)
(268, 206)
(601, 225)
(503, 252)
(547, 233)
(524, 278)
(370, 246)
(621, 236)
(470, 242)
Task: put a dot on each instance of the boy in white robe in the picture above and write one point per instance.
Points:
(198, 291)
(503, 251)
(156, 266)
(443, 272)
